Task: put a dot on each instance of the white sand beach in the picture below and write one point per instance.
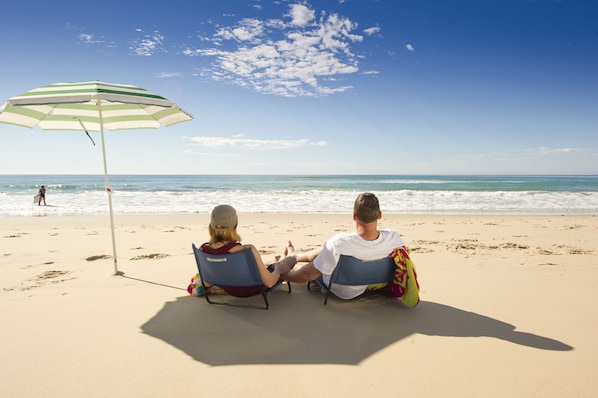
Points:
(508, 309)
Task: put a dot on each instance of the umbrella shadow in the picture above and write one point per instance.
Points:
(300, 330)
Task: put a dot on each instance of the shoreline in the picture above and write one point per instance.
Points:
(324, 213)
(438, 195)
(504, 298)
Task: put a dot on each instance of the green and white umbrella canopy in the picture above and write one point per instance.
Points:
(92, 106)
(68, 106)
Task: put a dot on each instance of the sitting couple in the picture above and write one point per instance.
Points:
(366, 243)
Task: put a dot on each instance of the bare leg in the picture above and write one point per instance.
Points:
(303, 257)
(285, 265)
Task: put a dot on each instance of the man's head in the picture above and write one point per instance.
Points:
(367, 208)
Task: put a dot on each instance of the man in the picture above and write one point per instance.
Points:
(42, 196)
(366, 243)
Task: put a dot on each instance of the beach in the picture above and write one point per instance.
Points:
(508, 309)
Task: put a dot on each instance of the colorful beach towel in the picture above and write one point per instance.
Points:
(404, 284)
(195, 288)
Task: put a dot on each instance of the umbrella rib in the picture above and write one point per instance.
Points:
(86, 132)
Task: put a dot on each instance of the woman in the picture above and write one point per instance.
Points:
(225, 239)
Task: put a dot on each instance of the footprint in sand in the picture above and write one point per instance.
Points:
(576, 226)
(418, 249)
(153, 256)
(98, 257)
(53, 276)
(19, 235)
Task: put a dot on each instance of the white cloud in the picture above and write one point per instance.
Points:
(239, 142)
(147, 45)
(301, 15)
(409, 47)
(371, 31)
(298, 55)
(248, 29)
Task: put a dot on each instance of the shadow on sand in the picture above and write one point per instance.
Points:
(298, 329)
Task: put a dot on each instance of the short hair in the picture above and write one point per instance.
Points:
(367, 208)
(223, 235)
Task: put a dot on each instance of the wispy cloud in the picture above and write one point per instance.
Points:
(167, 75)
(301, 54)
(409, 47)
(248, 30)
(529, 153)
(148, 44)
(88, 38)
(533, 160)
(371, 31)
(552, 151)
(240, 142)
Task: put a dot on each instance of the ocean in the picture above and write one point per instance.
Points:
(185, 194)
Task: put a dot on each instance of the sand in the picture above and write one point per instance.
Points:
(508, 309)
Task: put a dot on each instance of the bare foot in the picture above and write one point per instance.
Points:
(289, 250)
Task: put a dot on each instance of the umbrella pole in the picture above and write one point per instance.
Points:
(109, 191)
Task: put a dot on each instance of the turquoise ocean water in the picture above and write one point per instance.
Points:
(163, 194)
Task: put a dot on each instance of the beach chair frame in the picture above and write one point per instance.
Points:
(353, 271)
(232, 269)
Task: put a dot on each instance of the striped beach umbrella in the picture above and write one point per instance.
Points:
(92, 106)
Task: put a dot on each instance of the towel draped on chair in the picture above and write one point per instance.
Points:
(404, 284)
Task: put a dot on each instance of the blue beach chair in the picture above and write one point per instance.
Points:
(353, 271)
(237, 269)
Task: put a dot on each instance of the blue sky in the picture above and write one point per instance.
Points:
(317, 87)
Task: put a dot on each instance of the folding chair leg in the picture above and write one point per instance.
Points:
(323, 288)
(265, 296)
(206, 296)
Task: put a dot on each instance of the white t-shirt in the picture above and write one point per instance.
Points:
(351, 244)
